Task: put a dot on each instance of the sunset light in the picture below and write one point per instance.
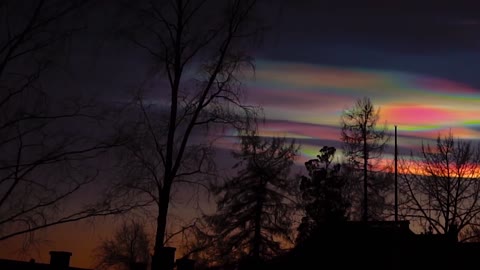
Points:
(239, 134)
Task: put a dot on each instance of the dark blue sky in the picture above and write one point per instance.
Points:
(435, 39)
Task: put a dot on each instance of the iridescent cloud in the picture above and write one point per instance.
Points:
(305, 101)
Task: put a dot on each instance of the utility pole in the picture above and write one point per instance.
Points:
(396, 176)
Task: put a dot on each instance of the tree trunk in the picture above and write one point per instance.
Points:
(257, 238)
(159, 261)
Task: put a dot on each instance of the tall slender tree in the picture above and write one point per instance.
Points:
(364, 141)
(254, 209)
(200, 51)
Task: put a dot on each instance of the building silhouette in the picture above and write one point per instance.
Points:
(378, 245)
(59, 260)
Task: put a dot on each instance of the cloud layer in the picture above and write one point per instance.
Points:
(305, 101)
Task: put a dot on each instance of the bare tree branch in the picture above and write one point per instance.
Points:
(443, 193)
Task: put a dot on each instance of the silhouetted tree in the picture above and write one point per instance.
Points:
(470, 234)
(198, 243)
(129, 246)
(440, 190)
(199, 49)
(324, 194)
(43, 147)
(255, 207)
(363, 142)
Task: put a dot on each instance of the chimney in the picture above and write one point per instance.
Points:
(60, 260)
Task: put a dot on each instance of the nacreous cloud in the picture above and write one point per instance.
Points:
(305, 101)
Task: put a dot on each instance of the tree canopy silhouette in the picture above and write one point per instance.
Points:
(323, 193)
(44, 148)
(254, 208)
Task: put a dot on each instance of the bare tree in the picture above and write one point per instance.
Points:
(43, 160)
(128, 247)
(364, 143)
(199, 48)
(197, 243)
(440, 189)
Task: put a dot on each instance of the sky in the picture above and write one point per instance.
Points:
(417, 63)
